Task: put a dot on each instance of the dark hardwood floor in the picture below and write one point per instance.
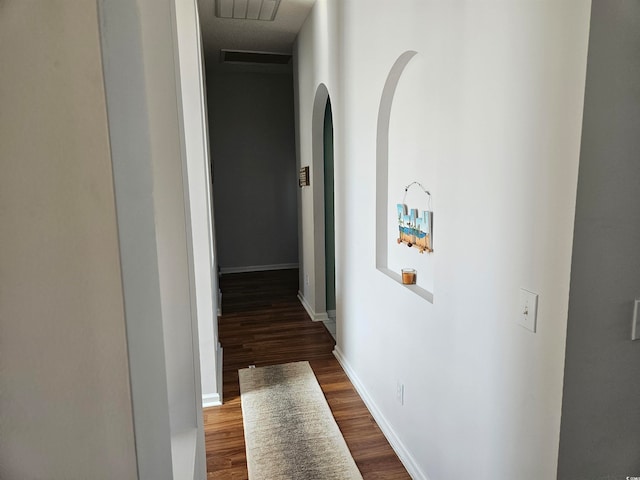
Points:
(263, 323)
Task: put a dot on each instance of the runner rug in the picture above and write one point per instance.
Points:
(289, 430)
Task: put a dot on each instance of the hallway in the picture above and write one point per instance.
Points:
(263, 323)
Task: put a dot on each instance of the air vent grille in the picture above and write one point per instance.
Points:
(263, 58)
(247, 9)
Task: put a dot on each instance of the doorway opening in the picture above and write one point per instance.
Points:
(329, 219)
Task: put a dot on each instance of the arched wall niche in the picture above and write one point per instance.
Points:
(399, 143)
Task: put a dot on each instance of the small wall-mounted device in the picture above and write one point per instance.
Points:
(528, 309)
(303, 177)
(635, 324)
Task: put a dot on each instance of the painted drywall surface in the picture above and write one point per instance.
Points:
(188, 67)
(505, 102)
(254, 172)
(142, 86)
(65, 408)
(157, 34)
(600, 415)
(124, 81)
(315, 80)
(199, 178)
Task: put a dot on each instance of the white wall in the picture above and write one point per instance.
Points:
(99, 354)
(65, 407)
(169, 201)
(254, 171)
(316, 79)
(173, 225)
(154, 224)
(196, 144)
(505, 86)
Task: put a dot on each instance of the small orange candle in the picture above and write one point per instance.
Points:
(408, 276)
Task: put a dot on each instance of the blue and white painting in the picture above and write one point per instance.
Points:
(415, 230)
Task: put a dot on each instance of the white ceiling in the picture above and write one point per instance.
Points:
(277, 36)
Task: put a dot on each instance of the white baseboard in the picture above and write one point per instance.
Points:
(258, 268)
(211, 400)
(331, 314)
(403, 454)
(316, 317)
(331, 327)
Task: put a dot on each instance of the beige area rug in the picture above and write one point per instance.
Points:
(289, 430)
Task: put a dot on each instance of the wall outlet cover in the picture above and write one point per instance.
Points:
(400, 392)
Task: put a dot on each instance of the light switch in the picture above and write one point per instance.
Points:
(528, 309)
(635, 325)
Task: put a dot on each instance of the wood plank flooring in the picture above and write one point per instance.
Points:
(263, 323)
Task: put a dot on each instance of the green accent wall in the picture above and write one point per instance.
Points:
(329, 230)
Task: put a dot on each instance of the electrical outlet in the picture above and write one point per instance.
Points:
(400, 392)
(528, 309)
(307, 282)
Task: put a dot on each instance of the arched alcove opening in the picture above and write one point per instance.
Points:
(314, 279)
(406, 145)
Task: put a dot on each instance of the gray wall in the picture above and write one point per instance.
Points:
(65, 406)
(601, 401)
(254, 168)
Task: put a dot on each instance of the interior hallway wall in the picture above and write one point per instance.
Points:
(502, 102)
(601, 401)
(254, 168)
(65, 406)
(316, 56)
(196, 144)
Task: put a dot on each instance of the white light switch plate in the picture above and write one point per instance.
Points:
(635, 325)
(528, 313)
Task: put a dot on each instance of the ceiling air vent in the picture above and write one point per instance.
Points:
(263, 58)
(247, 9)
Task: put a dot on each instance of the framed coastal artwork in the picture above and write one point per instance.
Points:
(415, 226)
